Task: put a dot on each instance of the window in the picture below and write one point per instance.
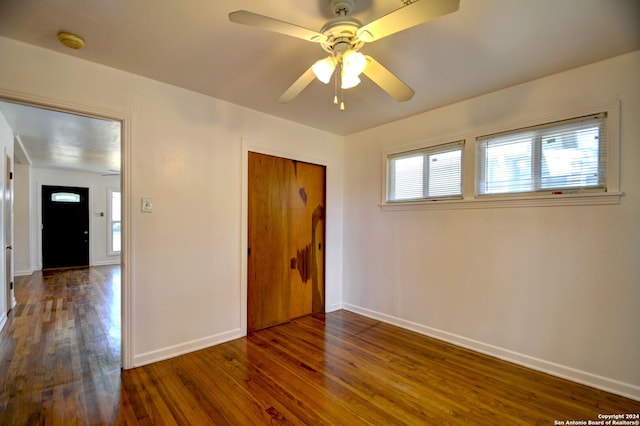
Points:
(65, 197)
(115, 223)
(429, 173)
(573, 160)
(562, 156)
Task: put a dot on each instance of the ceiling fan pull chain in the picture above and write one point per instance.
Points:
(339, 75)
(335, 90)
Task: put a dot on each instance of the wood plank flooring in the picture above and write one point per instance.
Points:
(60, 348)
(60, 357)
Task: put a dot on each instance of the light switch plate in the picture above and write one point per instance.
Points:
(147, 205)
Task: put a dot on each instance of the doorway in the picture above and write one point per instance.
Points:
(65, 227)
(286, 232)
(28, 117)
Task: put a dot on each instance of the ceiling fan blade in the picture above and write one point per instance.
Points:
(271, 24)
(406, 17)
(298, 86)
(388, 82)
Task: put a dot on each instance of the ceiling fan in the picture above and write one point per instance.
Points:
(343, 37)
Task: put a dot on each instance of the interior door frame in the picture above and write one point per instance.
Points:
(264, 147)
(8, 230)
(126, 258)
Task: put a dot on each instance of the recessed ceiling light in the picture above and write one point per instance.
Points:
(70, 40)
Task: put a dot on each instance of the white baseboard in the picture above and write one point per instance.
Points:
(22, 273)
(186, 347)
(106, 262)
(334, 307)
(603, 383)
(3, 320)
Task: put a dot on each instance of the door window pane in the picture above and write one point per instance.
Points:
(65, 197)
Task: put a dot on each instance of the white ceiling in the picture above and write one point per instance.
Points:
(59, 140)
(485, 46)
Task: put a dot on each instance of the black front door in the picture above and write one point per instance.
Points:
(65, 227)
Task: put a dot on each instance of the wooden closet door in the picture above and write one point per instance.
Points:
(268, 233)
(285, 267)
(307, 201)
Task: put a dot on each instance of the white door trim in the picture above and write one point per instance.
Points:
(263, 147)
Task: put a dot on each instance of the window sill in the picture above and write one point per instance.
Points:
(583, 199)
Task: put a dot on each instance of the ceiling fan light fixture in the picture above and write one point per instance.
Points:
(349, 80)
(353, 62)
(323, 69)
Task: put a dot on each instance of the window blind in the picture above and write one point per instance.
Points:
(428, 173)
(569, 154)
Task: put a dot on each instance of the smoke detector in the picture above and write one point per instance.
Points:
(71, 40)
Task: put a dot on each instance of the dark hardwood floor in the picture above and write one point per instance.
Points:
(60, 348)
(60, 364)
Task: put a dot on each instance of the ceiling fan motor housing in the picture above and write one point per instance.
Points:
(341, 35)
(342, 7)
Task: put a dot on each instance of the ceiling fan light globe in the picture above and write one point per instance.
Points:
(323, 69)
(349, 80)
(353, 62)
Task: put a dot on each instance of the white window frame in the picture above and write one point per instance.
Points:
(534, 136)
(110, 221)
(471, 201)
(427, 152)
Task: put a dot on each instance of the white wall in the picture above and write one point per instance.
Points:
(556, 288)
(187, 157)
(186, 154)
(30, 232)
(24, 216)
